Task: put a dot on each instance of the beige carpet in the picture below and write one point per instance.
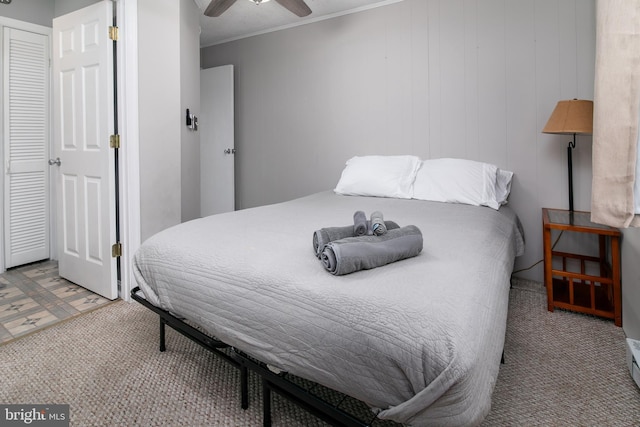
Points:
(561, 369)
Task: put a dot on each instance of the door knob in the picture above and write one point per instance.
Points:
(54, 162)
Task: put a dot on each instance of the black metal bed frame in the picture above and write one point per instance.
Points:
(211, 344)
(271, 381)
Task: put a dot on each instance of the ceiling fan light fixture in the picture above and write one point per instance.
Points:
(297, 7)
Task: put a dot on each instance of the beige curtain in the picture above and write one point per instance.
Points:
(616, 111)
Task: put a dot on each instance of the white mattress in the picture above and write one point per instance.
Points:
(419, 340)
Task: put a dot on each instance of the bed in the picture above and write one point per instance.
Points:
(419, 340)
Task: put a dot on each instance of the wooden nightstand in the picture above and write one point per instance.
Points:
(582, 283)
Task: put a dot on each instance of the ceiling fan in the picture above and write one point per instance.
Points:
(297, 7)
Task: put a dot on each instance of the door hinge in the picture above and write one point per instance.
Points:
(116, 250)
(114, 33)
(114, 141)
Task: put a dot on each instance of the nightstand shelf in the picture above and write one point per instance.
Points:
(582, 283)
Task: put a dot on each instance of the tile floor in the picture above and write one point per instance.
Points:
(34, 296)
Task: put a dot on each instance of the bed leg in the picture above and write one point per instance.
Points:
(266, 404)
(244, 387)
(163, 347)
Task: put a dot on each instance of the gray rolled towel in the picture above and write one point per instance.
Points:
(377, 224)
(359, 223)
(352, 254)
(329, 234)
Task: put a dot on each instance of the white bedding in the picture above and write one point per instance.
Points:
(419, 339)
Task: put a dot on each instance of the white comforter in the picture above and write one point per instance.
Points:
(419, 340)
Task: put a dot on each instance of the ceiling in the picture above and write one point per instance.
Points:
(245, 18)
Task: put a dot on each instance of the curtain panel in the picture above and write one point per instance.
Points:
(616, 111)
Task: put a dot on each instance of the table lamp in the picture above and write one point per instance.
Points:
(571, 117)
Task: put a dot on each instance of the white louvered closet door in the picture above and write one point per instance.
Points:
(26, 146)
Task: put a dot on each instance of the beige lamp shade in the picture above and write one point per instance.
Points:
(571, 116)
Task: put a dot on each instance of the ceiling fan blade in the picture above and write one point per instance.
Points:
(217, 7)
(297, 7)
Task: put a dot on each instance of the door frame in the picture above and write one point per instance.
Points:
(127, 56)
(46, 31)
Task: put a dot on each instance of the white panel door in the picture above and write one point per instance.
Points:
(217, 146)
(83, 122)
(26, 146)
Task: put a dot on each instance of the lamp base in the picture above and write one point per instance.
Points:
(570, 148)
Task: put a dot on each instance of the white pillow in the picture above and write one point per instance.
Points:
(457, 181)
(503, 185)
(379, 176)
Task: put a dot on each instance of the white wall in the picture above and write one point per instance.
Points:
(631, 276)
(39, 12)
(168, 82)
(631, 282)
(436, 78)
(62, 7)
(190, 98)
(159, 115)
